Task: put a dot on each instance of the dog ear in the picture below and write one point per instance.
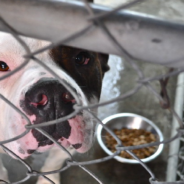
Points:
(104, 62)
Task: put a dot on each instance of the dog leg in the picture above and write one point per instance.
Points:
(3, 171)
(54, 161)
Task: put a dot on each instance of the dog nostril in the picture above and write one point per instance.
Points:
(42, 100)
(67, 98)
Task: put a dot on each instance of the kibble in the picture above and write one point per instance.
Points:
(132, 137)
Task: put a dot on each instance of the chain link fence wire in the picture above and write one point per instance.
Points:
(93, 21)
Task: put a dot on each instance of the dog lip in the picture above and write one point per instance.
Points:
(67, 143)
(77, 146)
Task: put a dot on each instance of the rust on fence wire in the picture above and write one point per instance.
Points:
(101, 22)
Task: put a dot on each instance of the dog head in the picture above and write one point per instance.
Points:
(42, 98)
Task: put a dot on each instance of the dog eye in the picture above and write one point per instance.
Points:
(3, 66)
(82, 58)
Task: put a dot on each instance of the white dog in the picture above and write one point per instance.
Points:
(42, 98)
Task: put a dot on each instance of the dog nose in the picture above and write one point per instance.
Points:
(49, 100)
(49, 97)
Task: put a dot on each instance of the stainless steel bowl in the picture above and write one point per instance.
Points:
(130, 121)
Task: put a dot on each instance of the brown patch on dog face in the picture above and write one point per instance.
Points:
(83, 66)
(104, 62)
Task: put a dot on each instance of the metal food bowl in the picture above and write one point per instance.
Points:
(130, 121)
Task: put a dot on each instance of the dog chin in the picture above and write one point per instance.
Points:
(80, 138)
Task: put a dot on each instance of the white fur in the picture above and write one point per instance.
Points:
(14, 89)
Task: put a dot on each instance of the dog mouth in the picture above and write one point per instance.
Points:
(75, 146)
(75, 132)
(67, 133)
(64, 142)
(59, 131)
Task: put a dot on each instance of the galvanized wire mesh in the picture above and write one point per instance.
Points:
(97, 22)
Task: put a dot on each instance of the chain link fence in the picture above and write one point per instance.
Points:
(95, 24)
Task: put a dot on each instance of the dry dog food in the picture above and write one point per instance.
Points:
(132, 137)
